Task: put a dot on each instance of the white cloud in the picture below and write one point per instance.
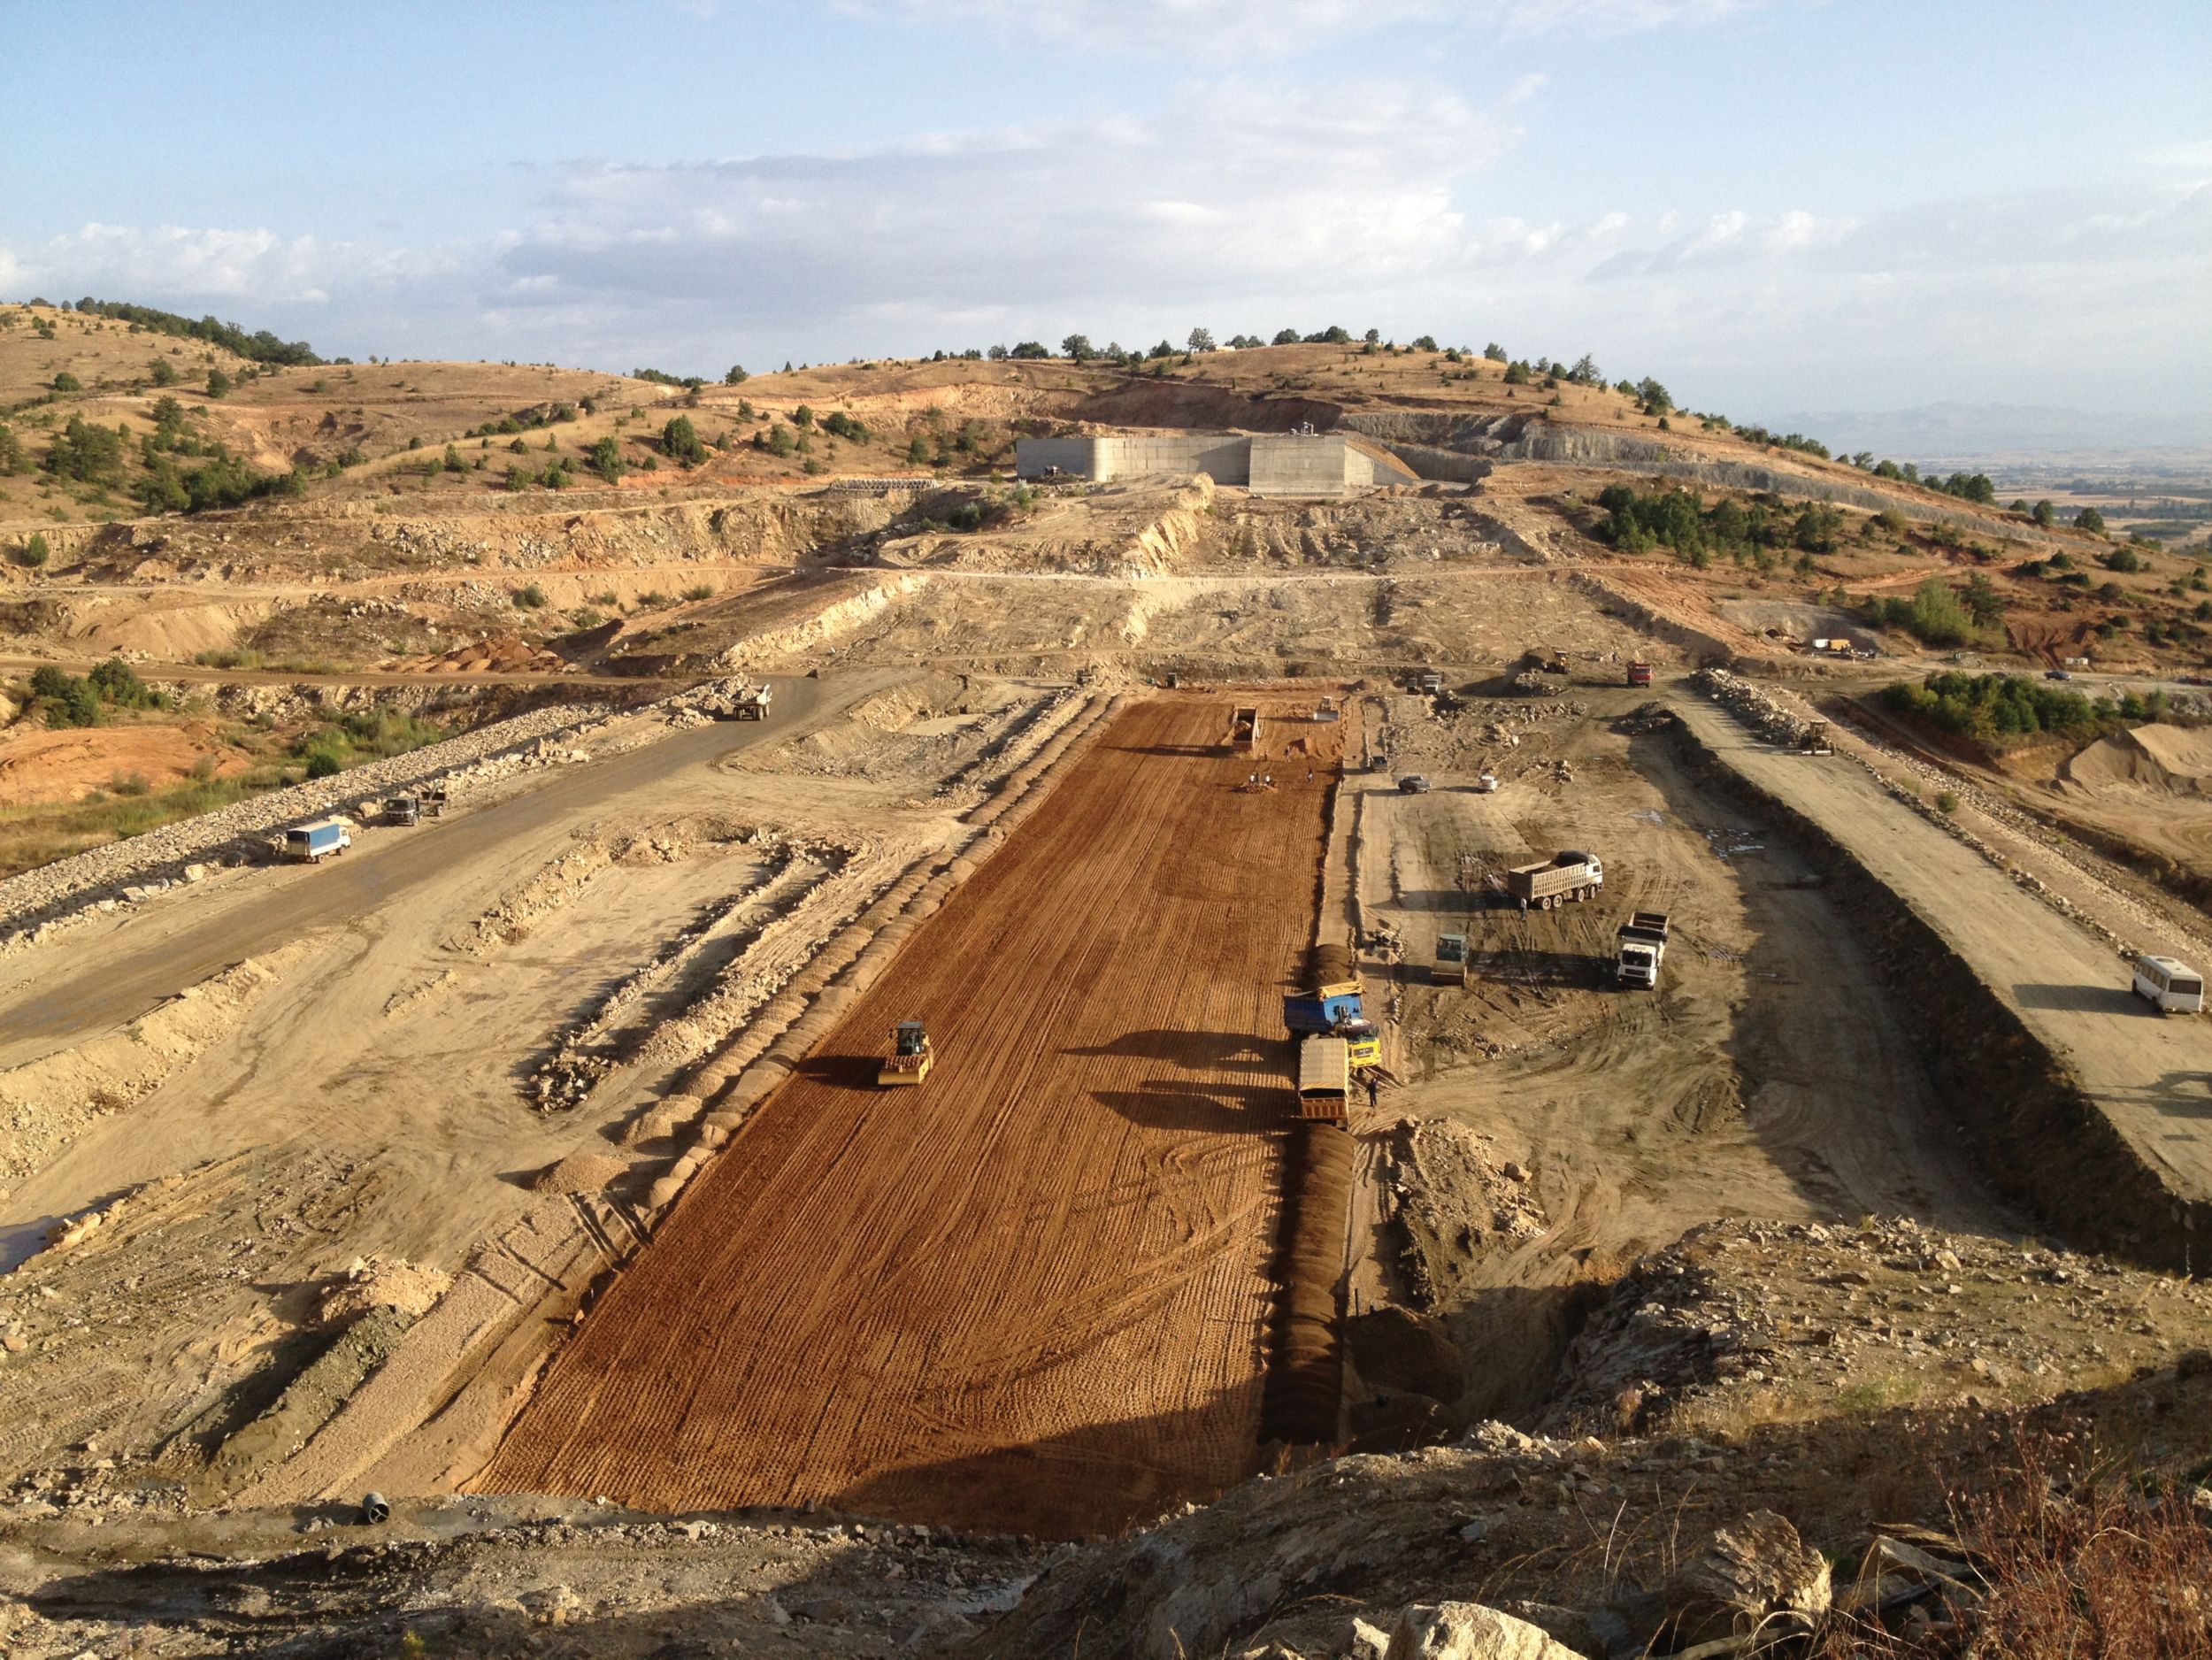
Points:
(1245, 207)
(1233, 188)
(1214, 29)
(223, 265)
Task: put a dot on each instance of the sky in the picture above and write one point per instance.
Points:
(1771, 205)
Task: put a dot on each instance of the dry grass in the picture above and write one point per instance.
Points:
(2074, 1557)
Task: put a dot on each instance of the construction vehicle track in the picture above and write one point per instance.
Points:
(1034, 1293)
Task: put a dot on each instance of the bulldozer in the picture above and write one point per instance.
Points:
(907, 1063)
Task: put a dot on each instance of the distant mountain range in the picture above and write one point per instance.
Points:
(1971, 432)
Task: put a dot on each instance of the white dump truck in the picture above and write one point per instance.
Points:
(1562, 879)
(1643, 945)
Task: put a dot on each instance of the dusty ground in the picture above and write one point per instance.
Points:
(268, 1119)
(366, 1082)
(1766, 1077)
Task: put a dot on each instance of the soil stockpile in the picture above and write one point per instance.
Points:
(1031, 1293)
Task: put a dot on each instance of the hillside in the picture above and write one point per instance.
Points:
(385, 1171)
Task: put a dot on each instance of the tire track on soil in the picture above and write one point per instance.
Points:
(1034, 1293)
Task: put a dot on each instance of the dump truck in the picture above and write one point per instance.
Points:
(908, 1061)
(1640, 674)
(751, 702)
(1244, 729)
(1814, 739)
(1329, 1002)
(1643, 942)
(311, 843)
(1428, 681)
(1324, 1077)
(403, 810)
(1563, 879)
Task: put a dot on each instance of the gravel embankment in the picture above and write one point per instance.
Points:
(125, 872)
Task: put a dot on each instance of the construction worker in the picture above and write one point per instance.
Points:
(1374, 1091)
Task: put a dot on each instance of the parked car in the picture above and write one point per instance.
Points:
(2056, 675)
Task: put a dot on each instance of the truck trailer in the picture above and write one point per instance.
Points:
(1563, 879)
(311, 843)
(1643, 944)
(1244, 730)
(1324, 1077)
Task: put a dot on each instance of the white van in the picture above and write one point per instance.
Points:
(2171, 986)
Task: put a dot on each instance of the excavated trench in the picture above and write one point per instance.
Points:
(2038, 1138)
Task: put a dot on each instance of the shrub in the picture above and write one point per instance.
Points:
(700, 590)
(2125, 560)
(218, 384)
(2089, 519)
(35, 552)
(118, 683)
(67, 382)
(1934, 614)
(531, 597)
(163, 372)
(606, 460)
(1946, 802)
(69, 701)
(1996, 707)
(680, 441)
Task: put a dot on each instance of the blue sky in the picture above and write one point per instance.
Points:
(1774, 205)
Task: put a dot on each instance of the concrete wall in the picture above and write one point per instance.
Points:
(1034, 457)
(1289, 464)
(1279, 464)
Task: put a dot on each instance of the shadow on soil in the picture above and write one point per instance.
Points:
(2082, 999)
(1222, 1110)
(1235, 1052)
(1094, 1479)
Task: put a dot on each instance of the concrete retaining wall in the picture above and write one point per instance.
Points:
(1272, 464)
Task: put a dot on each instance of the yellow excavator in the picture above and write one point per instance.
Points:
(907, 1063)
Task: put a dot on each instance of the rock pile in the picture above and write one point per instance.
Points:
(1861, 1317)
(1772, 717)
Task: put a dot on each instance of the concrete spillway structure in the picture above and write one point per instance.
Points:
(1267, 464)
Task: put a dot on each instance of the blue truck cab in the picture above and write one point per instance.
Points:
(311, 842)
(1323, 1009)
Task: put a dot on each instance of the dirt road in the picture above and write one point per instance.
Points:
(1033, 1292)
(119, 979)
(2152, 1077)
